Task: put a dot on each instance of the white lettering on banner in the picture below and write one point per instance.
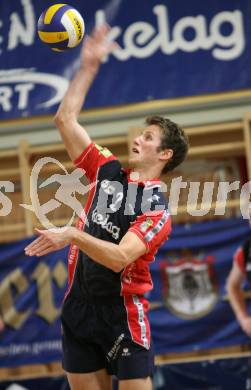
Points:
(23, 90)
(25, 80)
(5, 96)
(6, 93)
(141, 39)
(18, 31)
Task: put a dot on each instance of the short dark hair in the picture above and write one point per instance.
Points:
(173, 137)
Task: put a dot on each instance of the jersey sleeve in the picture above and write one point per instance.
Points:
(239, 259)
(92, 158)
(153, 228)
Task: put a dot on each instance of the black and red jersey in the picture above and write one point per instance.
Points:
(116, 205)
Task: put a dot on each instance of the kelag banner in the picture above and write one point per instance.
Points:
(168, 49)
(189, 309)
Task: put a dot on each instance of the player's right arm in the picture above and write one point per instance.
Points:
(235, 291)
(95, 49)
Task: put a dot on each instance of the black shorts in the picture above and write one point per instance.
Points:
(97, 335)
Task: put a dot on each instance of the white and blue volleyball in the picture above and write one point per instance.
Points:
(61, 27)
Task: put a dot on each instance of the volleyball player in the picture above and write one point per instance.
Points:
(104, 317)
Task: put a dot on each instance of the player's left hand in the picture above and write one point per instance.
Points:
(49, 241)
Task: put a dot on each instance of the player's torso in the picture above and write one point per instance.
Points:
(116, 203)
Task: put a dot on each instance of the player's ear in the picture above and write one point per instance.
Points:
(166, 154)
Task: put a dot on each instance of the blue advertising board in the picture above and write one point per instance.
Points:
(167, 49)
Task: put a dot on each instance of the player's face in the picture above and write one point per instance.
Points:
(144, 150)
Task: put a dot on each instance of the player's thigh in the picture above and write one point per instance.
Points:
(98, 380)
(136, 384)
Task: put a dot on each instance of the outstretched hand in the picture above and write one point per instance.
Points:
(49, 241)
(96, 47)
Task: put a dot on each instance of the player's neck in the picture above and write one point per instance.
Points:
(139, 174)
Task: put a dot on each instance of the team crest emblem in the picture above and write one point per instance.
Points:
(190, 290)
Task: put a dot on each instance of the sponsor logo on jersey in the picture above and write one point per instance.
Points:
(104, 222)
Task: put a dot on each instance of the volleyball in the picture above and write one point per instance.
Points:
(61, 27)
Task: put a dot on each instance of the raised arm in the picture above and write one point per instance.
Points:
(95, 48)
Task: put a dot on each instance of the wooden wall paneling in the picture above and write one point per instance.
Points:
(23, 154)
